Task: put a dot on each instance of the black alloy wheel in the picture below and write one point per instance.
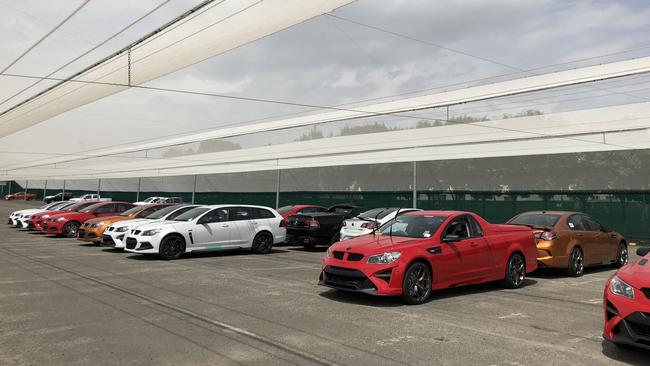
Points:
(262, 243)
(71, 229)
(172, 247)
(515, 271)
(416, 287)
(576, 263)
(622, 256)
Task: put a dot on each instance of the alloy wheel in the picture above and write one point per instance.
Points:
(517, 270)
(419, 284)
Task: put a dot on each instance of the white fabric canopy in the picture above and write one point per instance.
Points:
(621, 127)
(212, 30)
(477, 93)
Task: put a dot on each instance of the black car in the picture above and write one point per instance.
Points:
(320, 228)
(57, 197)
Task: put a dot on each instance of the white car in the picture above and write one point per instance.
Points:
(90, 197)
(148, 200)
(114, 234)
(210, 228)
(370, 220)
(21, 218)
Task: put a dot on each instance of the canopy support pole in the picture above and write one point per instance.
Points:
(415, 184)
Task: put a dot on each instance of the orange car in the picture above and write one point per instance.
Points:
(93, 230)
(21, 196)
(573, 240)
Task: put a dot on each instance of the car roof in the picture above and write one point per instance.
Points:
(234, 205)
(443, 213)
(552, 213)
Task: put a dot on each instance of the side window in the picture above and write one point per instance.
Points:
(105, 209)
(575, 223)
(149, 211)
(458, 226)
(216, 215)
(264, 214)
(475, 227)
(179, 212)
(123, 207)
(241, 213)
(591, 224)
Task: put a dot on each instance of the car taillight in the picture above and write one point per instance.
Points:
(283, 223)
(546, 235)
(313, 224)
(369, 225)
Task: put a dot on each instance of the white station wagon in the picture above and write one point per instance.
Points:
(209, 228)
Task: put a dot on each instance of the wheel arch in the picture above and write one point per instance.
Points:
(420, 259)
(174, 233)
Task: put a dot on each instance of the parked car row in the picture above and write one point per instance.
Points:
(382, 251)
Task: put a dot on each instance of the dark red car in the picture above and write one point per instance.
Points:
(290, 210)
(428, 250)
(37, 219)
(627, 304)
(68, 223)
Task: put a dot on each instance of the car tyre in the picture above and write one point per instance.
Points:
(576, 263)
(262, 243)
(71, 229)
(622, 256)
(515, 271)
(416, 286)
(171, 247)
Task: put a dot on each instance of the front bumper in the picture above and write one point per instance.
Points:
(301, 236)
(627, 321)
(52, 227)
(141, 244)
(114, 239)
(90, 234)
(358, 276)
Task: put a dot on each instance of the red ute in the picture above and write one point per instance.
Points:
(428, 250)
(68, 223)
(291, 210)
(38, 218)
(627, 304)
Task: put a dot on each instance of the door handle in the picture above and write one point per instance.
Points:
(225, 225)
(254, 222)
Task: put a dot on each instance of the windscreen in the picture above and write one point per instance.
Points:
(413, 226)
(132, 211)
(378, 213)
(93, 206)
(162, 212)
(285, 209)
(80, 206)
(537, 219)
(192, 214)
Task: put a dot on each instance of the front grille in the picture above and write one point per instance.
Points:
(110, 228)
(639, 323)
(131, 243)
(82, 232)
(646, 292)
(108, 240)
(136, 232)
(338, 255)
(355, 257)
(345, 278)
(44, 226)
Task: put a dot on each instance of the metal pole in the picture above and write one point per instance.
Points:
(9, 189)
(447, 113)
(26, 188)
(194, 189)
(63, 193)
(415, 185)
(277, 190)
(137, 195)
(99, 186)
(45, 189)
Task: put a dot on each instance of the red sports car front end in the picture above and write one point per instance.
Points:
(627, 305)
(348, 266)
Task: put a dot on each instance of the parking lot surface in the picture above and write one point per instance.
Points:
(65, 302)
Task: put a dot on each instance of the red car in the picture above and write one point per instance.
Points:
(627, 304)
(38, 219)
(291, 210)
(68, 223)
(428, 250)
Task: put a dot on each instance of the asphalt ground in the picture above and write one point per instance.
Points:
(64, 302)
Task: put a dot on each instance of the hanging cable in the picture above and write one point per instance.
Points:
(12, 63)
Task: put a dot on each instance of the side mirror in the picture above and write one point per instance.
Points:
(449, 238)
(201, 221)
(643, 251)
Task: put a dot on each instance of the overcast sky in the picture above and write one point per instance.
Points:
(324, 61)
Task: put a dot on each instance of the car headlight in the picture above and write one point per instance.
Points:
(60, 219)
(328, 252)
(97, 224)
(619, 287)
(384, 258)
(151, 232)
(122, 229)
(45, 217)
